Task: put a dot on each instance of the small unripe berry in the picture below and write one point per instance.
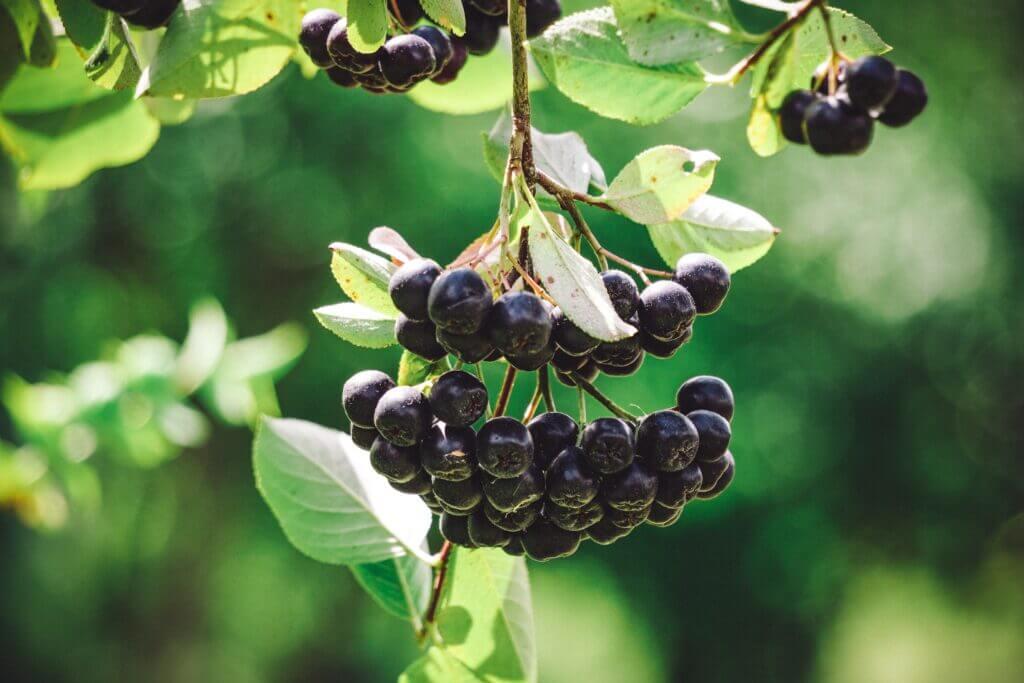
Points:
(714, 432)
(630, 490)
(361, 394)
(459, 301)
(552, 433)
(570, 483)
(504, 447)
(316, 24)
(395, 463)
(449, 452)
(458, 398)
(403, 416)
(667, 441)
(409, 287)
(545, 541)
(705, 278)
(706, 393)
(607, 445)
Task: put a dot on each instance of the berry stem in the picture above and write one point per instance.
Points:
(435, 594)
(611, 405)
(480, 375)
(531, 407)
(581, 406)
(544, 382)
(520, 147)
(560, 191)
(505, 393)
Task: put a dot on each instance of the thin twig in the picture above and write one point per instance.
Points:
(611, 405)
(558, 190)
(544, 382)
(435, 594)
(581, 405)
(505, 393)
(521, 145)
(531, 407)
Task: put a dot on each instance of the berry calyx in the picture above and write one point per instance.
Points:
(666, 310)
(607, 445)
(667, 441)
(504, 447)
(705, 278)
(316, 24)
(403, 416)
(714, 432)
(409, 286)
(706, 393)
(552, 433)
(545, 541)
(458, 398)
(361, 393)
(569, 481)
(459, 301)
(870, 82)
(630, 490)
(449, 452)
(419, 337)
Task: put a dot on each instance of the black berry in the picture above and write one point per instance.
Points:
(676, 488)
(483, 533)
(458, 398)
(792, 112)
(663, 516)
(469, 348)
(316, 24)
(570, 483)
(623, 370)
(408, 12)
(545, 541)
(705, 278)
(564, 362)
(515, 546)
(519, 324)
(607, 445)
(626, 519)
(450, 71)
(588, 372)
(607, 532)
(714, 432)
(659, 348)
(153, 14)
(395, 463)
(403, 416)
(361, 394)
(667, 441)
(406, 59)
(455, 529)
(440, 43)
(504, 447)
(870, 82)
(344, 55)
(619, 353)
(458, 497)
(342, 77)
(409, 286)
(540, 14)
(531, 361)
(459, 301)
(706, 393)
(363, 437)
(574, 519)
(430, 500)
(631, 489)
(512, 493)
(711, 471)
(723, 481)
(552, 433)
(623, 292)
(128, 6)
(419, 337)
(516, 520)
(449, 452)
(418, 485)
(481, 31)
(834, 126)
(666, 310)
(909, 100)
(494, 8)
(569, 337)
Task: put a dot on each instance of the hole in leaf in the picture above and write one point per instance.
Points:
(689, 167)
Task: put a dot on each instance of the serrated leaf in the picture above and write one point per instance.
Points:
(413, 369)
(485, 615)
(563, 156)
(364, 276)
(358, 325)
(449, 14)
(401, 585)
(660, 183)
(367, 24)
(584, 57)
(389, 241)
(573, 281)
(438, 665)
(484, 84)
(103, 42)
(26, 15)
(660, 32)
(330, 503)
(732, 233)
(217, 48)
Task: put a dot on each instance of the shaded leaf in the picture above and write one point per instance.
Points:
(40, 90)
(438, 665)
(413, 369)
(26, 16)
(401, 585)
(364, 276)
(659, 183)
(584, 57)
(763, 131)
(732, 233)
(331, 504)
(358, 324)
(660, 32)
(104, 44)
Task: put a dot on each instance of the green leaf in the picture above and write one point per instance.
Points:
(660, 183)
(413, 370)
(367, 24)
(11, 55)
(203, 348)
(763, 131)
(43, 52)
(446, 13)
(330, 503)
(583, 56)
(732, 233)
(358, 325)
(364, 276)
(26, 15)
(485, 615)
(401, 585)
(438, 665)
(573, 281)
(484, 84)
(563, 156)
(39, 90)
(170, 112)
(660, 32)
(110, 57)
(216, 48)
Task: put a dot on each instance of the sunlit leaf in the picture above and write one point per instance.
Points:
(367, 24)
(449, 14)
(413, 369)
(389, 241)
(438, 665)
(660, 32)
(358, 324)
(104, 44)
(660, 183)
(26, 15)
(364, 277)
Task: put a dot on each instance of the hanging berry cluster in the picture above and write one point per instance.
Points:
(413, 53)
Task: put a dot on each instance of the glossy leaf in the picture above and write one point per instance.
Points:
(660, 32)
(660, 183)
(584, 57)
(330, 503)
(364, 276)
(732, 233)
(358, 324)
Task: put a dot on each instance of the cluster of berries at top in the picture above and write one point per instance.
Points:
(543, 487)
(454, 312)
(148, 14)
(837, 114)
(415, 53)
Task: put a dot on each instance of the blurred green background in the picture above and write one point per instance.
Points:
(874, 531)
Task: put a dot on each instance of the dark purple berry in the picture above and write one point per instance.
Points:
(623, 292)
(607, 445)
(871, 82)
(623, 370)
(834, 126)
(588, 372)
(417, 486)
(705, 278)
(469, 348)
(406, 59)
(714, 432)
(395, 463)
(706, 393)
(408, 12)
(909, 100)
(664, 516)
(363, 437)
(449, 452)
(666, 310)
(494, 8)
(481, 31)
(545, 541)
(342, 77)
(620, 353)
(440, 43)
(659, 348)
(409, 287)
(519, 324)
(676, 488)
(516, 520)
(153, 14)
(607, 532)
(450, 71)
(459, 301)
(626, 519)
(509, 494)
(316, 25)
(566, 363)
(419, 337)
(458, 398)
(483, 533)
(540, 14)
(458, 497)
(667, 441)
(361, 394)
(570, 483)
(723, 481)
(552, 433)
(515, 546)
(455, 529)
(347, 57)
(711, 471)
(576, 518)
(631, 489)
(403, 416)
(791, 115)
(128, 6)
(504, 447)
(569, 337)
(529, 362)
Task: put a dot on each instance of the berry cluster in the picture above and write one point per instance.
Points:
(148, 14)
(541, 488)
(837, 115)
(424, 52)
(454, 312)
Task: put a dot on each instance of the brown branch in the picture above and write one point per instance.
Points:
(435, 594)
(521, 145)
(505, 393)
